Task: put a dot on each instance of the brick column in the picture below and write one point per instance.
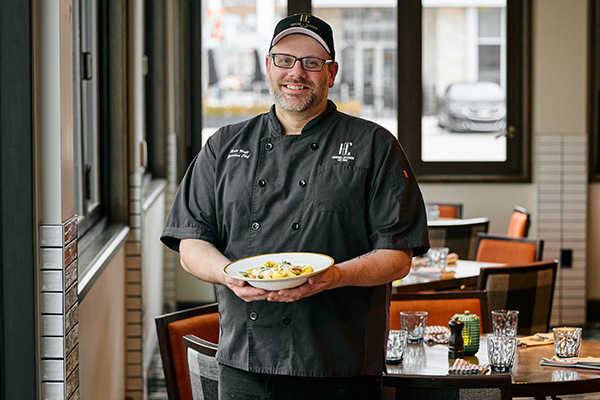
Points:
(59, 305)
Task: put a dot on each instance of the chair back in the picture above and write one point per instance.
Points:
(203, 367)
(201, 321)
(459, 235)
(528, 288)
(440, 306)
(518, 226)
(448, 210)
(507, 250)
(488, 387)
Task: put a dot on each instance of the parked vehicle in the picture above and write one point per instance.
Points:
(472, 107)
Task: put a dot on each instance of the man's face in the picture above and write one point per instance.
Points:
(295, 89)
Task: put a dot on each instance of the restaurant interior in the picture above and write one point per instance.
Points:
(105, 103)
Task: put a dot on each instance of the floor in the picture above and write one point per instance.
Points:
(156, 379)
(158, 391)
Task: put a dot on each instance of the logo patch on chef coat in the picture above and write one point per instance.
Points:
(239, 153)
(344, 154)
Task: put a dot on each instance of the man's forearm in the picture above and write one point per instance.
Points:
(375, 268)
(203, 260)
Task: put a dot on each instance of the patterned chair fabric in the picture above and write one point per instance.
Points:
(477, 387)
(203, 368)
(506, 250)
(528, 288)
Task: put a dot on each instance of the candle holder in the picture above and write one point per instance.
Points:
(470, 332)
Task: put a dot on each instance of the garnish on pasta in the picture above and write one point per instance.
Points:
(275, 270)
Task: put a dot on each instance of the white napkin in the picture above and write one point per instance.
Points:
(575, 362)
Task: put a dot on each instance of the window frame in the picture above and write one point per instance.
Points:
(517, 168)
(594, 92)
(90, 211)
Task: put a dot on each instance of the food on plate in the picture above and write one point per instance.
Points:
(275, 270)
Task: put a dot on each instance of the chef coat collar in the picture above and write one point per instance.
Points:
(275, 125)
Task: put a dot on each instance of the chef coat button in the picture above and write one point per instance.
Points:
(295, 226)
(255, 226)
(269, 146)
(262, 183)
(302, 183)
(286, 320)
(253, 315)
(314, 146)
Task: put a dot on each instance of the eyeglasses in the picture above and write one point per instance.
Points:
(312, 64)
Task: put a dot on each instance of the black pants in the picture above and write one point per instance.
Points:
(235, 384)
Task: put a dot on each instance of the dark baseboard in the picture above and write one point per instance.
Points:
(593, 310)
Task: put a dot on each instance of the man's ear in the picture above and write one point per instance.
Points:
(267, 60)
(333, 70)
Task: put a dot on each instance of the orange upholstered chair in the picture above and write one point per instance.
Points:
(518, 226)
(448, 210)
(440, 306)
(202, 322)
(507, 250)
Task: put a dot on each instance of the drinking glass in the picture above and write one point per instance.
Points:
(567, 341)
(501, 352)
(395, 346)
(438, 257)
(414, 322)
(505, 322)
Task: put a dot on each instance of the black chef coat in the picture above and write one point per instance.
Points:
(343, 187)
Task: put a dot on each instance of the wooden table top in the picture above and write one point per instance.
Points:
(529, 378)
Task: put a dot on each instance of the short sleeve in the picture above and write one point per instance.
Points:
(192, 214)
(396, 209)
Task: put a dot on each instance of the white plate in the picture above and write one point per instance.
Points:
(319, 262)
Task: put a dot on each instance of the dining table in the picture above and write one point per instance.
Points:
(462, 274)
(528, 378)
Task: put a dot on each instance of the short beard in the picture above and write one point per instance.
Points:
(279, 100)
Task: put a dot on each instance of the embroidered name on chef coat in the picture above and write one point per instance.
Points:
(344, 154)
(239, 153)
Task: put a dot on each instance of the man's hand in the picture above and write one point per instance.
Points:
(315, 284)
(244, 291)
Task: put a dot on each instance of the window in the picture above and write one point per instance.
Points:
(86, 103)
(365, 39)
(235, 41)
(382, 49)
(472, 106)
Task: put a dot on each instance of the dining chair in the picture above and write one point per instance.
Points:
(203, 322)
(508, 250)
(518, 226)
(527, 288)
(440, 306)
(203, 367)
(447, 210)
(452, 387)
(459, 235)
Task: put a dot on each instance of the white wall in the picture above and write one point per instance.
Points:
(495, 201)
(102, 335)
(152, 276)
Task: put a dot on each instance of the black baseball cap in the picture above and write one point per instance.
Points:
(306, 24)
